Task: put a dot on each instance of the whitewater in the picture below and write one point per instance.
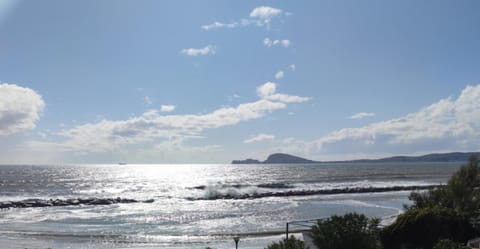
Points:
(197, 206)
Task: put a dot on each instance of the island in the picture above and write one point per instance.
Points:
(282, 158)
(276, 158)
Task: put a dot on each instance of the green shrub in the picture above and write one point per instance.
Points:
(448, 244)
(346, 232)
(290, 243)
(461, 194)
(422, 228)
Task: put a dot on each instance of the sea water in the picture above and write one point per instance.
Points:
(189, 209)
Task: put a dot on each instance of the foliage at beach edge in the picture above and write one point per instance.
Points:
(442, 218)
(290, 243)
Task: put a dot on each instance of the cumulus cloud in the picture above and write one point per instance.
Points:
(259, 16)
(153, 127)
(279, 75)
(259, 138)
(451, 124)
(265, 12)
(360, 115)
(20, 108)
(167, 108)
(270, 43)
(209, 49)
(268, 91)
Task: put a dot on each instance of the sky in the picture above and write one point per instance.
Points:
(213, 81)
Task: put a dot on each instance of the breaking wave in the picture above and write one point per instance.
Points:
(212, 193)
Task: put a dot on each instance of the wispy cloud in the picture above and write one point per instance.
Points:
(152, 127)
(259, 138)
(279, 75)
(360, 115)
(20, 108)
(260, 16)
(217, 25)
(451, 124)
(292, 67)
(270, 43)
(167, 108)
(209, 49)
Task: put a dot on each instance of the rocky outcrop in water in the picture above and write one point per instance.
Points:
(31, 203)
(316, 192)
(246, 161)
(238, 186)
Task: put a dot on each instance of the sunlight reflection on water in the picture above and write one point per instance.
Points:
(173, 221)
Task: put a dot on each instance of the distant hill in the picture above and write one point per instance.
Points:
(281, 158)
(437, 157)
(286, 158)
(275, 158)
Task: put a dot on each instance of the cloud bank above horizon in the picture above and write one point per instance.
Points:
(451, 124)
(152, 127)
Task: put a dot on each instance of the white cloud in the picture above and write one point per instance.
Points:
(217, 25)
(285, 43)
(259, 16)
(209, 49)
(267, 42)
(259, 138)
(20, 108)
(167, 108)
(287, 98)
(152, 127)
(279, 75)
(268, 91)
(292, 67)
(360, 115)
(447, 125)
(265, 12)
(270, 43)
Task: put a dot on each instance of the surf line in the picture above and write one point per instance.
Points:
(315, 192)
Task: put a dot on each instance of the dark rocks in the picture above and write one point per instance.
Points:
(316, 192)
(32, 203)
(274, 185)
(246, 161)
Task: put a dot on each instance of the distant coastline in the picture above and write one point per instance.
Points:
(282, 158)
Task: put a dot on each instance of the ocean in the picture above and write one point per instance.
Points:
(197, 206)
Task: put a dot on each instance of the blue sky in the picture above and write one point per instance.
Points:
(208, 82)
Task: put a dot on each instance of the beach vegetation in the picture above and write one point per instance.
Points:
(423, 228)
(448, 244)
(348, 231)
(446, 212)
(461, 194)
(290, 243)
